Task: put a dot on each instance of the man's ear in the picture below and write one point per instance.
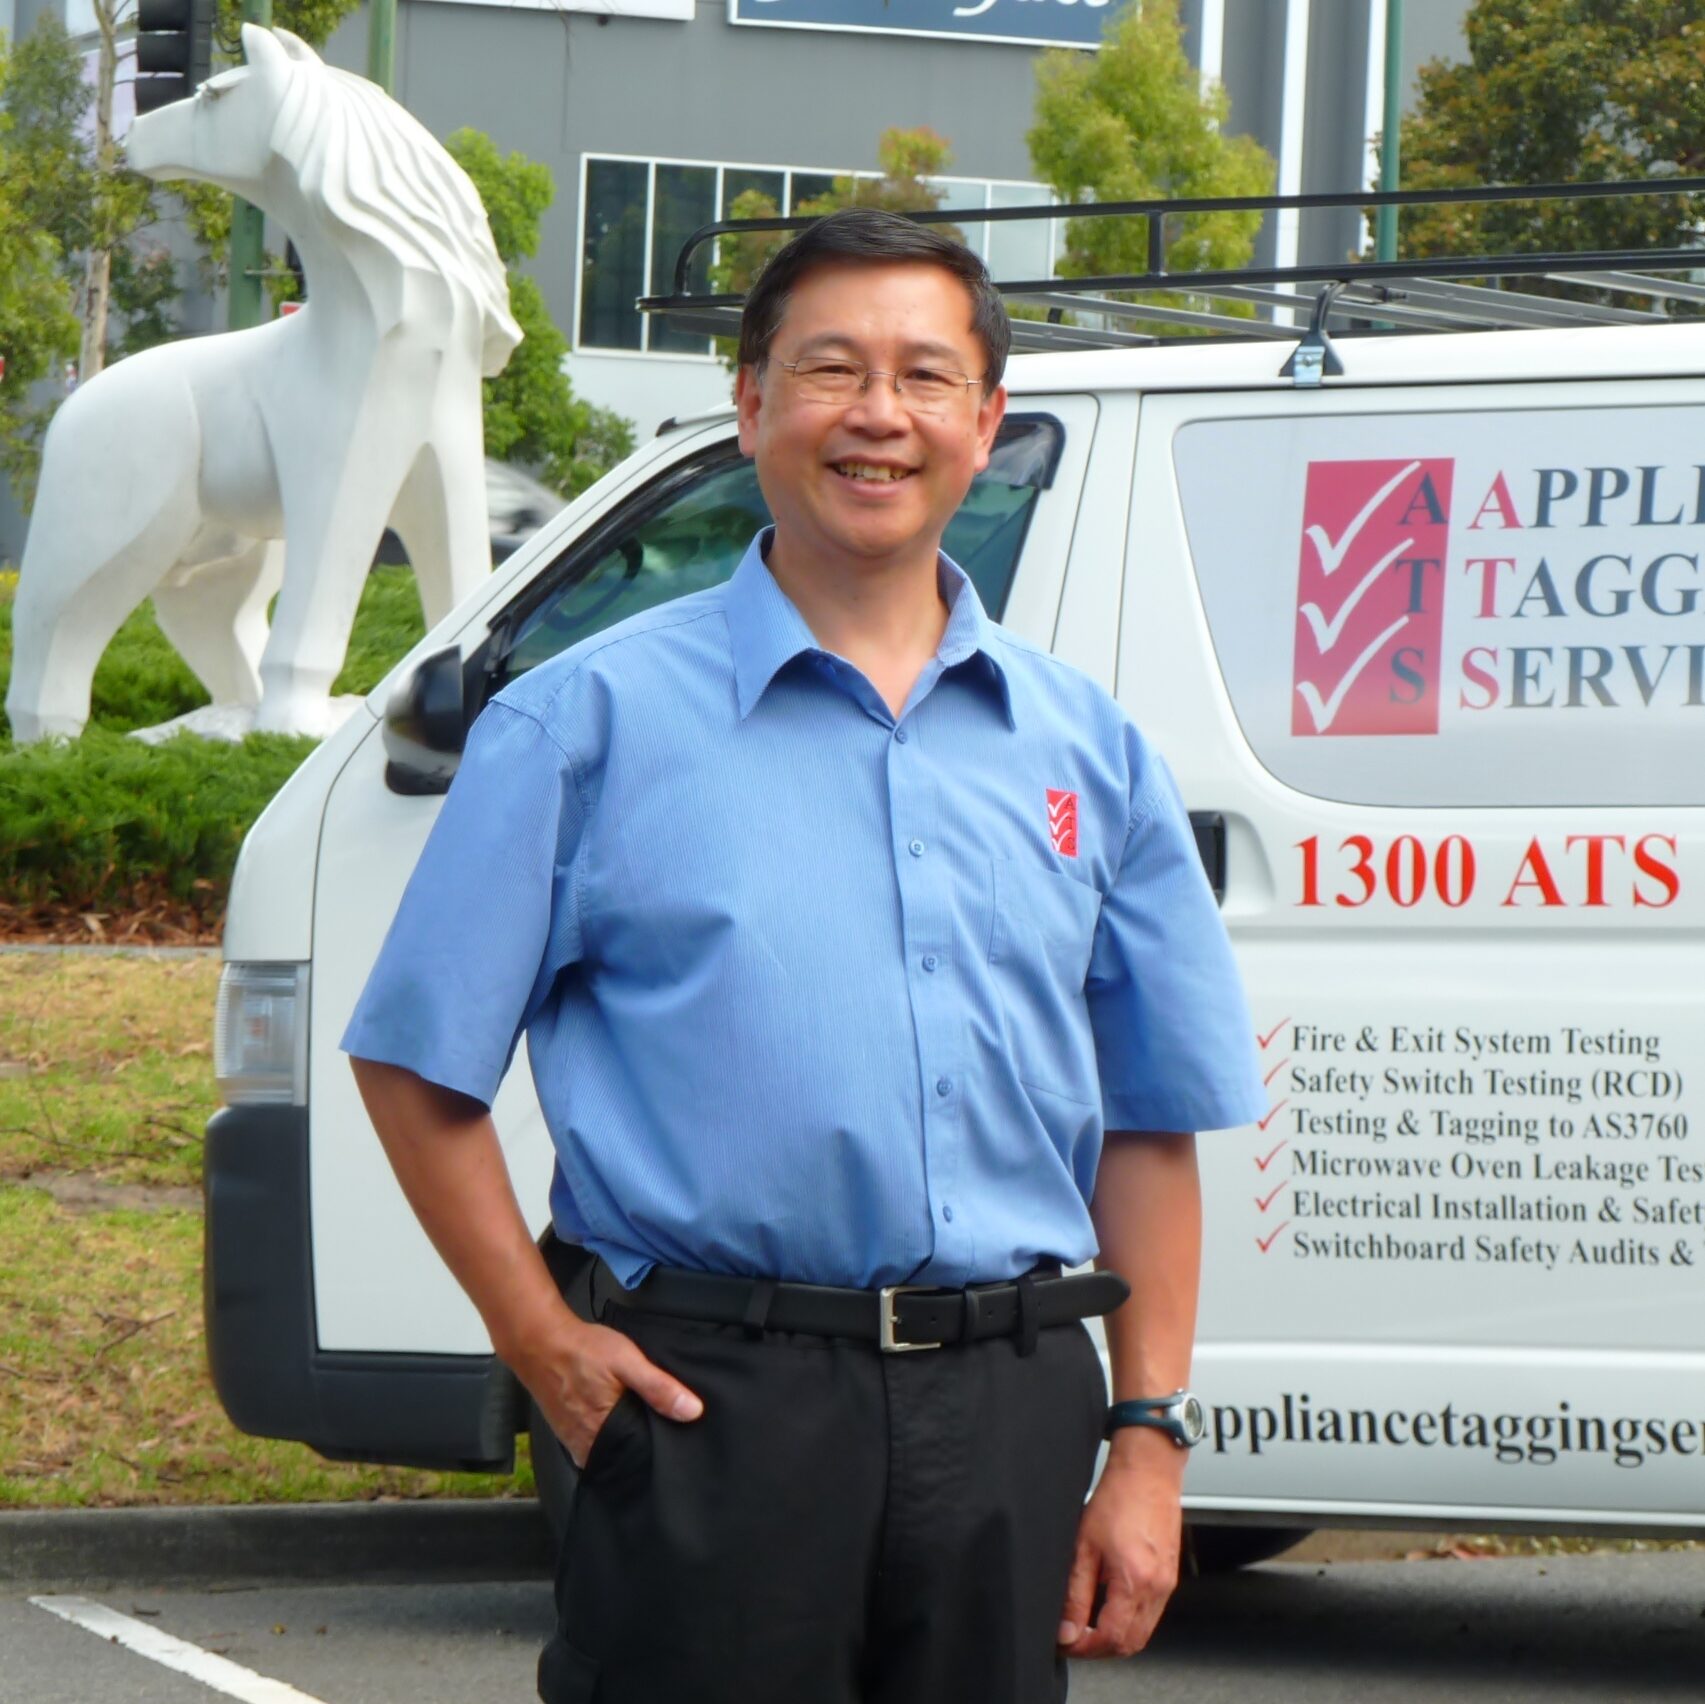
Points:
(990, 412)
(748, 400)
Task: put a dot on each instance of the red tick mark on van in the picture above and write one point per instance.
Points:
(1265, 1202)
(1275, 1071)
(1264, 1041)
(1265, 1243)
(1263, 1164)
(1261, 1124)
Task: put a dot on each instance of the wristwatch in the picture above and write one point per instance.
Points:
(1179, 1416)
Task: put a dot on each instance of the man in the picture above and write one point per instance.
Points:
(839, 922)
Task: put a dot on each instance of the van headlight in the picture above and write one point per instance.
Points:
(260, 1035)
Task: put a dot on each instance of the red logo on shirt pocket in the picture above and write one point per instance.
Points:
(1062, 822)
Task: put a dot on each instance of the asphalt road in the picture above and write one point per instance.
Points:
(1550, 1631)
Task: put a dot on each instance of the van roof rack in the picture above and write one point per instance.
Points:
(1354, 296)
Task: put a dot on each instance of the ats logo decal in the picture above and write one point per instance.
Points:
(1370, 597)
(1062, 822)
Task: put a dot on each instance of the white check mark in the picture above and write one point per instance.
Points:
(1332, 555)
(1325, 711)
(1326, 632)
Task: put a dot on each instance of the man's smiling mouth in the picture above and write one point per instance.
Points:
(871, 470)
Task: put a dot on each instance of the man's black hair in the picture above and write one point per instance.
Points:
(864, 236)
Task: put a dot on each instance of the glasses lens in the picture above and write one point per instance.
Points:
(931, 390)
(828, 381)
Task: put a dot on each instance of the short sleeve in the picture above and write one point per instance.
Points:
(490, 916)
(1173, 1039)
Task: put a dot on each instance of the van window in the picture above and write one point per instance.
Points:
(690, 529)
(1504, 607)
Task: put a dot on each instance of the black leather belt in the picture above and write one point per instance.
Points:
(898, 1318)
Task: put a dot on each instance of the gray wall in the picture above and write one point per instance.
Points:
(1334, 138)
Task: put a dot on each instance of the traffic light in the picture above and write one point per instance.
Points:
(174, 50)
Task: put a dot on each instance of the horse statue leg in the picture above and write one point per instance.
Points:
(442, 519)
(216, 617)
(332, 527)
(103, 535)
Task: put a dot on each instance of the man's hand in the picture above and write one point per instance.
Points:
(577, 1375)
(1128, 1541)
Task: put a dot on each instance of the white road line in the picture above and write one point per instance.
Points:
(220, 1673)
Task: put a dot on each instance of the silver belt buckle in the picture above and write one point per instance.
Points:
(885, 1338)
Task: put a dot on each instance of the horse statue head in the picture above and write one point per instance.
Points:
(344, 169)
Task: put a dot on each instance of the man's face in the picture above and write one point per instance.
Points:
(816, 459)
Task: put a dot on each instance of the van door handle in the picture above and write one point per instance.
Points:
(1210, 847)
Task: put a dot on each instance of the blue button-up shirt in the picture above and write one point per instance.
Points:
(811, 990)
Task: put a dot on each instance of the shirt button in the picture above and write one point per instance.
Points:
(900, 735)
(930, 961)
(916, 848)
(947, 1214)
(944, 1085)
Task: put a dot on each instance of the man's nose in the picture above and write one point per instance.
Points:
(881, 407)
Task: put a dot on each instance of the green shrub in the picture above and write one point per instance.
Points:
(109, 825)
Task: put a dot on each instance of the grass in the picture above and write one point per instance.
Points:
(105, 1067)
(105, 1083)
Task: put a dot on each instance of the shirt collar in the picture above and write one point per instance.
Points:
(766, 631)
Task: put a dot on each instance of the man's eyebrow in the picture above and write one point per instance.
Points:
(911, 351)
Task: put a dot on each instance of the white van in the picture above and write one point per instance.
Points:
(1423, 640)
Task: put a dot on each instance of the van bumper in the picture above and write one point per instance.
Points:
(434, 1411)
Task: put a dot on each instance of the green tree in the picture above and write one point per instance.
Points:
(1561, 91)
(1133, 123)
(532, 415)
(312, 20)
(60, 153)
(909, 159)
(38, 325)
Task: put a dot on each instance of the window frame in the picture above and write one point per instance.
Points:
(651, 286)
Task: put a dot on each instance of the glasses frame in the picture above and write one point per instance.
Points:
(792, 369)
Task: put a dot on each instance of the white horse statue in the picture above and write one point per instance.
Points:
(175, 472)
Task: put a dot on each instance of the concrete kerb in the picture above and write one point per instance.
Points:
(442, 1541)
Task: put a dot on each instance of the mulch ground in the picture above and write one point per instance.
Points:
(165, 923)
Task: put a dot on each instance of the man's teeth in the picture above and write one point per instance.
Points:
(864, 470)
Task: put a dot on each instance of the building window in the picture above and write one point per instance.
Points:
(636, 214)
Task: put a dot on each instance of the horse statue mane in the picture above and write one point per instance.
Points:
(376, 172)
(270, 460)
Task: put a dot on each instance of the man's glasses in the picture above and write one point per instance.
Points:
(924, 390)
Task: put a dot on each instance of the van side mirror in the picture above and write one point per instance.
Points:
(426, 725)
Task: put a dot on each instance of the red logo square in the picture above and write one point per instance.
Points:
(1062, 822)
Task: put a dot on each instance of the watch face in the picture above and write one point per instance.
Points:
(1193, 1420)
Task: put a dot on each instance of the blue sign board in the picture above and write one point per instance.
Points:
(1046, 23)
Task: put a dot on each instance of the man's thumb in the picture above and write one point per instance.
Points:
(667, 1395)
(1080, 1594)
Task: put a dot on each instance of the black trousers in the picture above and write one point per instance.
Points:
(840, 1527)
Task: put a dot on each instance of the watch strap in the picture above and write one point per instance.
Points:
(1159, 1412)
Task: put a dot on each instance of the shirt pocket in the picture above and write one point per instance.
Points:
(1039, 952)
